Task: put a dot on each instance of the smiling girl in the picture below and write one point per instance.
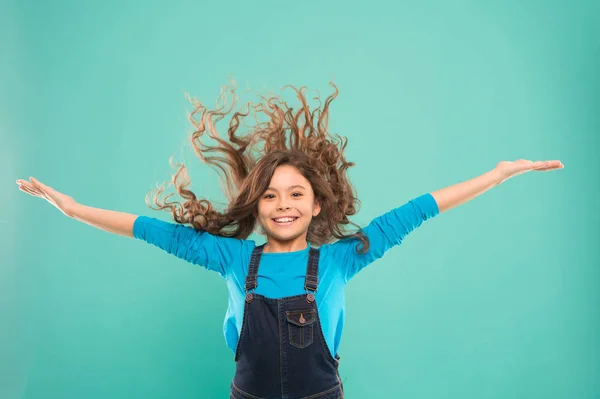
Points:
(286, 297)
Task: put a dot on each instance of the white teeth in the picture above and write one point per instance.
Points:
(284, 220)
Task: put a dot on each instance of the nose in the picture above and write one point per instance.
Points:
(283, 207)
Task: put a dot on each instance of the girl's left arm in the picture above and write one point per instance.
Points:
(458, 194)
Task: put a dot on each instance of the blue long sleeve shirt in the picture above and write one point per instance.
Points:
(282, 274)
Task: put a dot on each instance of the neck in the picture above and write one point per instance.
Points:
(274, 247)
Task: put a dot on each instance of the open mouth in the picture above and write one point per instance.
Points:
(284, 221)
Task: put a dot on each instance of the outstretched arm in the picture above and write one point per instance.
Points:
(112, 221)
(458, 194)
(197, 247)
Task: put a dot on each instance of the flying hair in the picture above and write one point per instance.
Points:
(246, 163)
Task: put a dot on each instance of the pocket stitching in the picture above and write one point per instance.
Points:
(293, 327)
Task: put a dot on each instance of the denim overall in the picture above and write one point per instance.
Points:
(281, 352)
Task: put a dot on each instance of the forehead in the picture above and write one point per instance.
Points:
(287, 175)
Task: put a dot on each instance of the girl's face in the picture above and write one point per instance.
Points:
(289, 196)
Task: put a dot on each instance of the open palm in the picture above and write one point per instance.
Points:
(509, 169)
(36, 188)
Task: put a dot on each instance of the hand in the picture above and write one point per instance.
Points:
(509, 169)
(63, 202)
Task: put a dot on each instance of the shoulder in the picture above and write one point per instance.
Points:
(221, 254)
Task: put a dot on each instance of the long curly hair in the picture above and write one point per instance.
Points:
(299, 138)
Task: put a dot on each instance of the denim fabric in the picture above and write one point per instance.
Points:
(282, 352)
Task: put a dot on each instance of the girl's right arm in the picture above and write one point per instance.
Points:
(197, 247)
(112, 221)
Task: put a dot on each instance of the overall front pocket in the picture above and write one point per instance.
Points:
(300, 326)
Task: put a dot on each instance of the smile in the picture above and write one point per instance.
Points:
(284, 221)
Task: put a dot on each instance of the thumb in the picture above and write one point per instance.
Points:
(36, 182)
(40, 185)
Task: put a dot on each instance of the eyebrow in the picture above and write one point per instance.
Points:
(289, 188)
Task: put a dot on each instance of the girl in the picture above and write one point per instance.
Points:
(286, 297)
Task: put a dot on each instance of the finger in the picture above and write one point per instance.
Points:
(28, 191)
(23, 183)
(537, 165)
(41, 186)
(546, 169)
(29, 186)
(25, 190)
(551, 165)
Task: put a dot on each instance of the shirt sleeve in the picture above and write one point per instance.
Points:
(384, 232)
(197, 247)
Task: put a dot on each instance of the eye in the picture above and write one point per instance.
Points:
(267, 196)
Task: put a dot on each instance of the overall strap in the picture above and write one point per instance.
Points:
(311, 281)
(252, 276)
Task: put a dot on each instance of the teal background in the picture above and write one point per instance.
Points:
(497, 298)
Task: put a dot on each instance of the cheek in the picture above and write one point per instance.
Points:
(263, 211)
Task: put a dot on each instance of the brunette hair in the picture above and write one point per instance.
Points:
(247, 164)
